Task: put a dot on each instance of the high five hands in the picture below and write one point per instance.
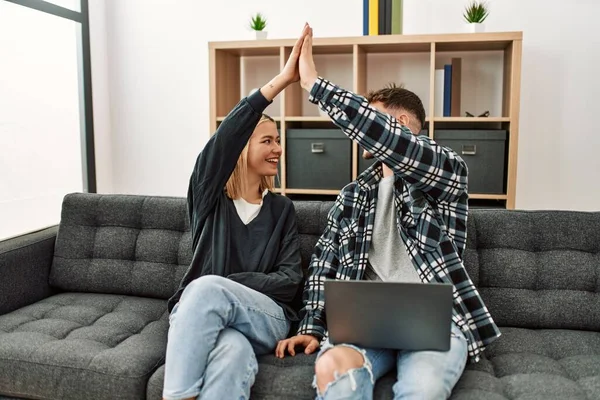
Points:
(306, 63)
(300, 65)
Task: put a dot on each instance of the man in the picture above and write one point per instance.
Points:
(404, 219)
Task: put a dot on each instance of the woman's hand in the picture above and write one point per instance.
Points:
(290, 72)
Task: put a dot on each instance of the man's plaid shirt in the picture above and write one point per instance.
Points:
(431, 198)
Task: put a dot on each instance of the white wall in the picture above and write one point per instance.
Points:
(157, 68)
(158, 85)
(558, 141)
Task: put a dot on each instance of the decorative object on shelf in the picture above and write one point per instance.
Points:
(475, 14)
(258, 23)
(482, 115)
(382, 17)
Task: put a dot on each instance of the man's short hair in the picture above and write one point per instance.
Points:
(396, 97)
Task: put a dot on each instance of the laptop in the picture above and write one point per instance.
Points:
(390, 315)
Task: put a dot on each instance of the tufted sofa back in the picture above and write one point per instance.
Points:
(534, 269)
(537, 269)
(119, 244)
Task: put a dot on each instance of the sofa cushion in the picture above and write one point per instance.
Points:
(312, 220)
(523, 364)
(535, 364)
(117, 244)
(277, 379)
(289, 378)
(537, 269)
(79, 345)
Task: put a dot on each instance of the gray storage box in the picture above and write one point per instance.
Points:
(484, 152)
(318, 159)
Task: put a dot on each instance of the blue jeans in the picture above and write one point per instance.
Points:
(216, 330)
(422, 375)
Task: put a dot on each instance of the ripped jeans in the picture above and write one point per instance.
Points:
(422, 375)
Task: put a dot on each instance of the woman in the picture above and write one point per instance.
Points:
(235, 300)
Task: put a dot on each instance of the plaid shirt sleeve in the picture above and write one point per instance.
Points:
(323, 266)
(420, 161)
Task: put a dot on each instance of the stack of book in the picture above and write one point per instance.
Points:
(382, 17)
(447, 89)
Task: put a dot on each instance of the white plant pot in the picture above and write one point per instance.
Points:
(475, 27)
(261, 35)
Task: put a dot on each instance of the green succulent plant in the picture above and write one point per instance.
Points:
(258, 22)
(476, 12)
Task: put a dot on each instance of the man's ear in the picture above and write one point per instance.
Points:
(402, 118)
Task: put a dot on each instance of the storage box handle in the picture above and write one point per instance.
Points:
(469, 149)
(317, 147)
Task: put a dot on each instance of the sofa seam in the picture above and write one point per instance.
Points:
(122, 226)
(115, 259)
(83, 369)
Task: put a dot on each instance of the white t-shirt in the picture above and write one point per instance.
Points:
(388, 257)
(248, 211)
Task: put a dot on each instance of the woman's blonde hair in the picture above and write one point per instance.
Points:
(237, 181)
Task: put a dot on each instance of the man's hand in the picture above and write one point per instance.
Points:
(290, 71)
(310, 344)
(308, 71)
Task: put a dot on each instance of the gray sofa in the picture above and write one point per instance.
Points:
(83, 306)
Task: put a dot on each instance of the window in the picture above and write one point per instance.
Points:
(44, 138)
(74, 5)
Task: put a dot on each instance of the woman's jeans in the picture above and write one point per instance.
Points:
(217, 329)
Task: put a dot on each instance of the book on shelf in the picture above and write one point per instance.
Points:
(366, 17)
(382, 25)
(438, 94)
(382, 17)
(373, 17)
(447, 89)
(455, 91)
(396, 17)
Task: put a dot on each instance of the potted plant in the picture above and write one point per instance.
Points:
(475, 13)
(258, 23)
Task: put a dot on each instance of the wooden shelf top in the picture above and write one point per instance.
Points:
(313, 191)
(471, 119)
(473, 196)
(377, 44)
(435, 119)
(477, 196)
(276, 119)
(307, 119)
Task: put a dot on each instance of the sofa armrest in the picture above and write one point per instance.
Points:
(24, 269)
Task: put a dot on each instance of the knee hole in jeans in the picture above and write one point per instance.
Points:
(337, 361)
